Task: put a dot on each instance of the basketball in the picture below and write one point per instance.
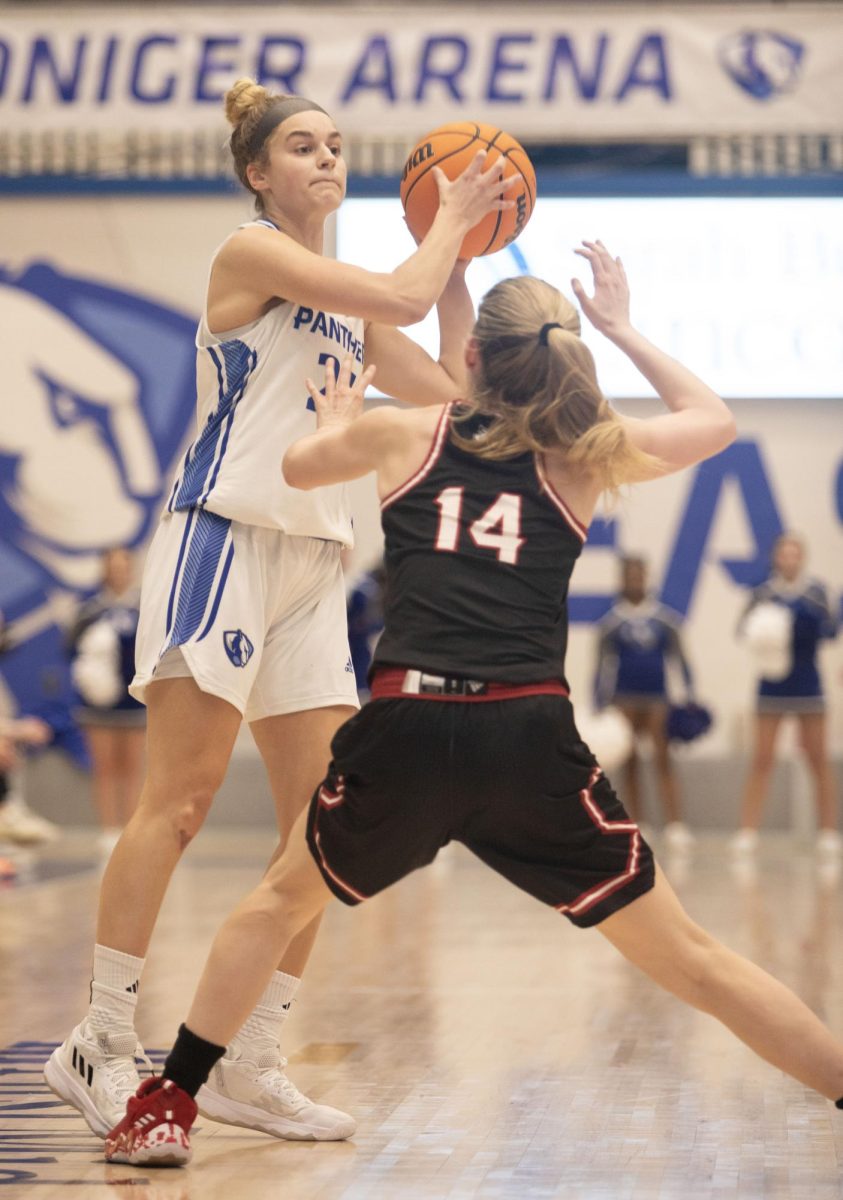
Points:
(453, 147)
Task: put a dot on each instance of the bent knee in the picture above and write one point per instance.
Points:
(190, 816)
(184, 815)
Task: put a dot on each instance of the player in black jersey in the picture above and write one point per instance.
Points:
(469, 734)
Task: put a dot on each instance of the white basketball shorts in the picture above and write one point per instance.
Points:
(255, 616)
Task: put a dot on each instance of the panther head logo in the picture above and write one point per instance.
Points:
(765, 64)
(237, 646)
(98, 396)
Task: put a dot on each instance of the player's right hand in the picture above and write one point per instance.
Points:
(608, 308)
(478, 190)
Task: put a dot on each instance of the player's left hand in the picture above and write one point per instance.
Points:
(340, 401)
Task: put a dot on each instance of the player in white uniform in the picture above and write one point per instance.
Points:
(243, 605)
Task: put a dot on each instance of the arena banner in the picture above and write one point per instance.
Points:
(568, 72)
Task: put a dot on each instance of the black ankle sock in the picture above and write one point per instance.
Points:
(839, 1103)
(190, 1061)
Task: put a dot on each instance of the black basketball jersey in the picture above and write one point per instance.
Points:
(479, 555)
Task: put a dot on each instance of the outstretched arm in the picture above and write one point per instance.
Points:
(406, 371)
(699, 424)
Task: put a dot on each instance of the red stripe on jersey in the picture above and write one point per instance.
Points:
(577, 526)
(387, 685)
(600, 891)
(429, 462)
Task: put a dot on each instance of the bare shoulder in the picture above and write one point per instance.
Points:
(400, 424)
(425, 419)
(246, 276)
(405, 445)
(249, 240)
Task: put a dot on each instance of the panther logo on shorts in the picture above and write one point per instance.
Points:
(237, 646)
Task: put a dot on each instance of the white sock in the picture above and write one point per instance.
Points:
(114, 989)
(270, 1012)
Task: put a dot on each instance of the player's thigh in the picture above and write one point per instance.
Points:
(296, 749)
(656, 934)
(190, 736)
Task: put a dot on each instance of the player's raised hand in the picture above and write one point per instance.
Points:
(608, 308)
(476, 191)
(341, 400)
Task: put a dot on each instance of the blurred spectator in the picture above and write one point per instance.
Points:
(638, 638)
(19, 825)
(783, 624)
(103, 650)
(365, 622)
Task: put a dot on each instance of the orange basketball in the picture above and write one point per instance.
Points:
(452, 147)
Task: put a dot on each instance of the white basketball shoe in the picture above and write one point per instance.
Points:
(254, 1092)
(19, 824)
(96, 1073)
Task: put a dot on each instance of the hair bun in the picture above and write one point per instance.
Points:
(242, 98)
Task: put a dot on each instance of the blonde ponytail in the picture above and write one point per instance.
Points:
(538, 382)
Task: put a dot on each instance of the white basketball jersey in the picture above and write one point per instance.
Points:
(252, 403)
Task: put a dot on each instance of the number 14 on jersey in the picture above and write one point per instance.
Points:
(498, 529)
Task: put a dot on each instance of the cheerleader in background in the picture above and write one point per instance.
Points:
(638, 638)
(785, 621)
(103, 649)
(19, 825)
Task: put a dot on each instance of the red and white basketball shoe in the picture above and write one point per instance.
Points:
(154, 1131)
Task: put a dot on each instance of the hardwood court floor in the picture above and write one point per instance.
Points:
(487, 1049)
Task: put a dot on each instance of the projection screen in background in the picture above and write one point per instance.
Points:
(747, 292)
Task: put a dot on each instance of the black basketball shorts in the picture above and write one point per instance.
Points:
(510, 779)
